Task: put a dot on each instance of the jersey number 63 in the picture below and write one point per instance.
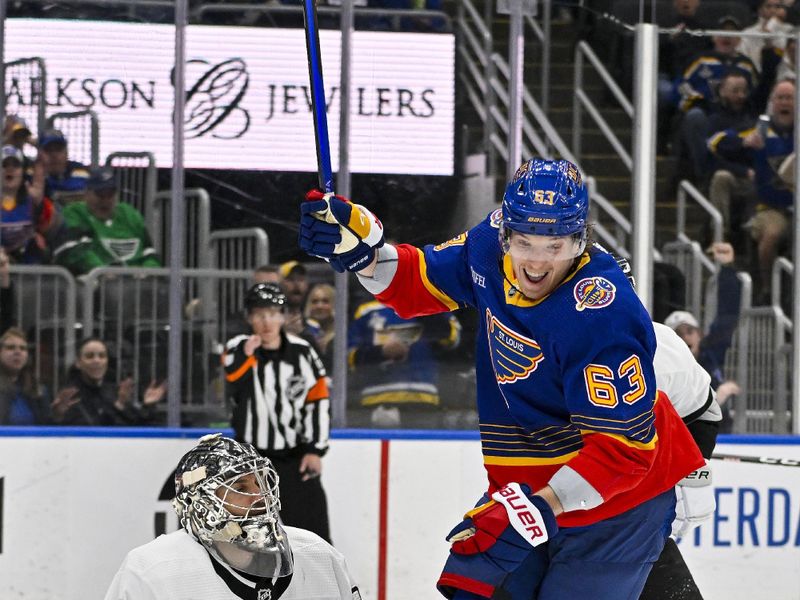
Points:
(604, 385)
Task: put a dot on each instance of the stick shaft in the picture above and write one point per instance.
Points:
(762, 460)
(318, 104)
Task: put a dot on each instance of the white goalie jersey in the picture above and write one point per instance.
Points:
(679, 375)
(176, 567)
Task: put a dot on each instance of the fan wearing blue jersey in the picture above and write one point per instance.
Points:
(581, 450)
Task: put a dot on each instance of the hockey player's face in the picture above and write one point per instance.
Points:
(243, 496)
(540, 262)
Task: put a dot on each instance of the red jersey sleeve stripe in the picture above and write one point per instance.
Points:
(411, 293)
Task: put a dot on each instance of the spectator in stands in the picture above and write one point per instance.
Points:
(764, 148)
(66, 179)
(17, 133)
(267, 274)
(319, 311)
(675, 53)
(395, 364)
(731, 109)
(101, 231)
(769, 21)
(677, 50)
(22, 400)
(7, 303)
(26, 216)
(710, 349)
(294, 282)
(88, 399)
(698, 84)
(731, 186)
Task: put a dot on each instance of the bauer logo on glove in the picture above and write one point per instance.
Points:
(529, 516)
(343, 233)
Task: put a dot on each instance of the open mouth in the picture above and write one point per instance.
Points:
(534, 277)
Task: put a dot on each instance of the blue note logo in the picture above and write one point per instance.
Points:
(594, 292)
(514, 356)
(496, 218)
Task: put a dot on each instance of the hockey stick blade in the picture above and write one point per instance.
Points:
(318, 105)
(762, 460)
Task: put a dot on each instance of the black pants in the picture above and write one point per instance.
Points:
(303, 503)
(670, 577)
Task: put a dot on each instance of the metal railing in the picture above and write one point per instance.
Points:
(127, 307)
(197, 227)
(239, 249)
(485, 77)
(687, 191)
(687, 254)
(762, 369)
(399, 18)
(782, 267)
(137, 181)
(45, 307)
(710, 305)
(82, 131)
(689, 258)
(26, 91)
(583, 102)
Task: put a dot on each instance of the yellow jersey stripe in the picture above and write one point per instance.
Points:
(432, 289)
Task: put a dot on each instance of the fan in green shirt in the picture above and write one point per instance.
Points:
(101, 231)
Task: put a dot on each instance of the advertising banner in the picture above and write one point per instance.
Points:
(248, 104)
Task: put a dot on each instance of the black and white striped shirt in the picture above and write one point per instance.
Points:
(281, 401)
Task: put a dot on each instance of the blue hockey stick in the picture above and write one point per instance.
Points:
(318, 105)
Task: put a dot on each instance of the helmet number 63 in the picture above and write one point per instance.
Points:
(603, 384)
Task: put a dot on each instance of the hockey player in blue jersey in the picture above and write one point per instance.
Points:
(581, 450)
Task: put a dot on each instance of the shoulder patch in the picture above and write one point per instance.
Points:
(496, 218)
(593, 292)
(459, 240)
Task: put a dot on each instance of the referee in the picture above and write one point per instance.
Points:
(280, 402)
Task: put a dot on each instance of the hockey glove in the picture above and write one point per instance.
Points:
(695, 501)
(343, 233)
(494, 539)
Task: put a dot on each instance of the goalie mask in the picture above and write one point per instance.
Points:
(226, 497)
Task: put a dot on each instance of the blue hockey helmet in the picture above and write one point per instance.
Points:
(546, 197)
